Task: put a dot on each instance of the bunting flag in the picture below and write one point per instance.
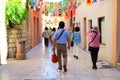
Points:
(33, 3)
(74, 3)
(94, 1)
(50, 6)
(58, 8)
(69, 6)
(88, 2)
(67, 14)
(73, 10)
(46, 10)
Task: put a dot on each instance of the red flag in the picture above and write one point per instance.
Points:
(67, 14)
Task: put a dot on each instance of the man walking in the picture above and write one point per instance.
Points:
(61, 42)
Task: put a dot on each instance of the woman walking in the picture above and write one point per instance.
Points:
(94, 44)
(76, 41)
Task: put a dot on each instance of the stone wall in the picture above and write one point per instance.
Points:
(26, 36)
(15, 36)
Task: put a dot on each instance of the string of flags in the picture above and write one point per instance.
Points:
(56, 7)
(90, 2)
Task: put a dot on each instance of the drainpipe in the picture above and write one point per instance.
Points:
(71, 22)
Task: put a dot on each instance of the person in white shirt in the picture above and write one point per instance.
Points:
(46, 35)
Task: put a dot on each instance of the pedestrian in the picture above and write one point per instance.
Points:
(70, 31)
(94, 43)
(52, 34)
(76, 41)
(62, 42)
(46, 36)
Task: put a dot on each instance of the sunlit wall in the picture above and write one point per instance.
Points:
(3, 37)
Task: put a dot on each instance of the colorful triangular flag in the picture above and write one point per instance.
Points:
(88, 2)
(93, 1)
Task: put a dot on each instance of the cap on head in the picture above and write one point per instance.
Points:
(95, 28)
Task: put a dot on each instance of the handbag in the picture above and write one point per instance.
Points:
(72, 43)
(54, 58)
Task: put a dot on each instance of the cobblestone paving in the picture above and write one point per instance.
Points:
(38, 66)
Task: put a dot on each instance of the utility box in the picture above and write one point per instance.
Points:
(20, 55)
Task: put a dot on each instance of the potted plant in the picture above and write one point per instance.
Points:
(15, 14)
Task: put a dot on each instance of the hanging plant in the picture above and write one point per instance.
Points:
(15, 13)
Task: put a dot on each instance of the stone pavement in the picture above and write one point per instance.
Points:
(38, 66)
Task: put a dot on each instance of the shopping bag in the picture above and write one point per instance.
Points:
(54, 58)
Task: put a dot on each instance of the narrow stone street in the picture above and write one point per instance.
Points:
(38, 66)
